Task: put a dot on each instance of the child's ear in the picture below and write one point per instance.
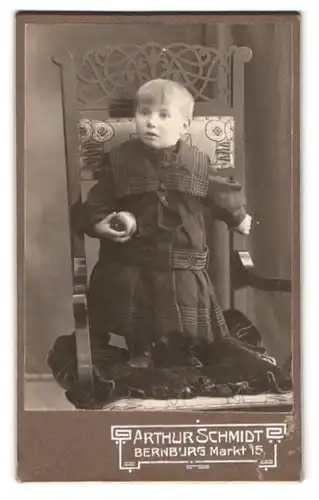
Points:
(187, 124)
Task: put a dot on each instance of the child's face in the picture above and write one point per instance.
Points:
(160, 125)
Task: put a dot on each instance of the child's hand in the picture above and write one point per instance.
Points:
(118, 226)
(244, 226)
(124, 221)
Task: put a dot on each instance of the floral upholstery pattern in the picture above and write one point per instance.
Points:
(212, 134)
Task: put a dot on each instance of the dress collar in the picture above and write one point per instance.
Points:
(166, 156)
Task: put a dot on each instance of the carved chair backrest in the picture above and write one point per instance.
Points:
(97, 96)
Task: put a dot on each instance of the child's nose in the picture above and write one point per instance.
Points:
(151, 121)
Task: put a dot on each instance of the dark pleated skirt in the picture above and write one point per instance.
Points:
(142, 303)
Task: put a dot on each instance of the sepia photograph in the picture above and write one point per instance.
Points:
(158, 200)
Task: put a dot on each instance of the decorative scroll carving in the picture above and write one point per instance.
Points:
(115, 72)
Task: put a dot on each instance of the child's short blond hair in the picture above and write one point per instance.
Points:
(160, 90)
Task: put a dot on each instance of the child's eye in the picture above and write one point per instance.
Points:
(163, 115)
(143, 111)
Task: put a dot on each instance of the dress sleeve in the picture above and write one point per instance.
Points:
(100, 200)
(226, 198)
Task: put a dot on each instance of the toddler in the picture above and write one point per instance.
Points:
(150, 283)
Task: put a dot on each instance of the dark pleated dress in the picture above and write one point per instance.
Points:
(136, 290)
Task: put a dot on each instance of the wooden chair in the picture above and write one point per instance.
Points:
(97, 97)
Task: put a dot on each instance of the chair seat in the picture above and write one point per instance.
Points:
(279, 402)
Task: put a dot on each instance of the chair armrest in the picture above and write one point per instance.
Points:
(243, 274)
